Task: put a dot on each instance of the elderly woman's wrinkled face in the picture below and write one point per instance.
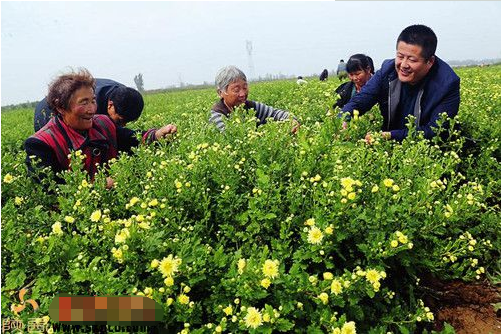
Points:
(235, 94)
(82, 108)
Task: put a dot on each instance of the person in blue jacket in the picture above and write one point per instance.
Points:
(120, 103)
(416, 82)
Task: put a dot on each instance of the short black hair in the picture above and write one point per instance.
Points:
(422, 36)
(128, 103)
(359, 62)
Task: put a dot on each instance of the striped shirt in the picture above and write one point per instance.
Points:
(263, 112)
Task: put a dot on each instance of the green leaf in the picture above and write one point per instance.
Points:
(403, 329)
(15, 279)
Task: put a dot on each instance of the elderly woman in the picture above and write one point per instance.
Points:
(77, 127)
(360, 69)
(232, 88)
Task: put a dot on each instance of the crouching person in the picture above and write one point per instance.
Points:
(77, 127)
(233, 90)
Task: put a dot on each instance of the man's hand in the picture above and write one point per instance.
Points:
(345, 125)
(165, 131)
(386, 135)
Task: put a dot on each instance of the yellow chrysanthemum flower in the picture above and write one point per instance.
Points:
(154, 263)
(8, 178)
(69, 219)
(183, 299)
(265, 283)
(117, 253)
(241, 265)
(336, 287)
(153, 202)
(375, 189)
(133, 201)
(95, 216)
(324, 298)
(329, 230)
(169, 281)
(372, 275)
(228, 310)
(169, 265)
(122, 236)
(144, 225)
(347, 182)
(270, 268)
(315, 235)
(402, 239)
(56, 228)
(253, 318)
(310, 222)
(349, 328)
(388, 182)
(328, 276)
(394, 243)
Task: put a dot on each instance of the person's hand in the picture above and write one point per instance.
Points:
(386, 135)
(368, 138)
(345, 125)
(295, 126)
(165, 131)
(109, 182)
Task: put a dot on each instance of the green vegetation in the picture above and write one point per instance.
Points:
(258, 230)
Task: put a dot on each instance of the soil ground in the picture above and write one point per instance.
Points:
(468, 307)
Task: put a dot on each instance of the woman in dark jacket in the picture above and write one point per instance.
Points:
(360, 69)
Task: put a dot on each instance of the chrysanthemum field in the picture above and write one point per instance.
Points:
(258, 230)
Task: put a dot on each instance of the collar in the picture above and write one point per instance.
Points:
(221, 107)
(77, 140)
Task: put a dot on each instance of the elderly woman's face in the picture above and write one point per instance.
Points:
(236, 93)
(82, 108)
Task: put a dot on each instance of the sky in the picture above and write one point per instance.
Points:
(170, 42)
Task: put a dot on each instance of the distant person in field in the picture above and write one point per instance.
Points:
(76, 126)
(233, 90)
(341, 70)
(300, 81)
(120, 103)
(360, 69)
(416, 82)
(324, 75)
